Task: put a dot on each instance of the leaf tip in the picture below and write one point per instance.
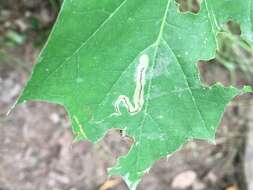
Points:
(131, 183)
(212, 141)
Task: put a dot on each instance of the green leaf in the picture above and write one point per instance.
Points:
(131, 64)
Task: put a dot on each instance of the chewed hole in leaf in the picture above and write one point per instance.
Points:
(233, 27)
(233, 54)
(189, 5)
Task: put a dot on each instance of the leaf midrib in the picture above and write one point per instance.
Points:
(157, 43)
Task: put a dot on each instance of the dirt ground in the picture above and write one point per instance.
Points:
(36, 143)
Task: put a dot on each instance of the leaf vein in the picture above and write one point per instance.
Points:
(190, 90)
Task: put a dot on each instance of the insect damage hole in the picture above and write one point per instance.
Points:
(138, 98)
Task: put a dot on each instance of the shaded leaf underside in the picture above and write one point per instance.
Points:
(92, 58)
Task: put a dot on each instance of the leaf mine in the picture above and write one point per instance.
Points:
(138, 98)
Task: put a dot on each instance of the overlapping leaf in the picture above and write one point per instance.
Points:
(131, 64)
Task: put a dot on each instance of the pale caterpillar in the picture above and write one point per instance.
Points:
(138, 98)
